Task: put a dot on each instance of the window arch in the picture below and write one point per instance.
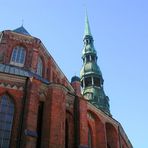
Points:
(89, 138)
(40, 66)
(6, 120)
(18, 56)
(111, 135)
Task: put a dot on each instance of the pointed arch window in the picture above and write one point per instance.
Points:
(89, 139)
(6, 120)
(40, 66)
(18, 56)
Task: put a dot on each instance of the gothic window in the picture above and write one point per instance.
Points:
(18, 56)
(6, 120)
(39, 67)
(89, 139)
(40, 123)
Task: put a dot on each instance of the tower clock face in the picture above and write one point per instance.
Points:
(88, 96)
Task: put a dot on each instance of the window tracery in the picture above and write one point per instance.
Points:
(6, 120)
(18, 56)
(40, 66)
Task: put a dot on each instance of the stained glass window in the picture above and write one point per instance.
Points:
(18, 56)
(6, 120)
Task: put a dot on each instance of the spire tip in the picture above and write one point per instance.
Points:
(87, 26)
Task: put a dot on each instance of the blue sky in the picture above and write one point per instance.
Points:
(120, 31)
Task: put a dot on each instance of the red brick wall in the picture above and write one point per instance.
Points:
(54, 114)
(77, 87)
(112, 136)
(31, 112)
(97, 130)
(57, 116)
(83, 122)
(70, 128)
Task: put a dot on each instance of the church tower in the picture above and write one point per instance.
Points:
(90, 76)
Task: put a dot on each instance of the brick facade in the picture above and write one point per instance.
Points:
(49, 111)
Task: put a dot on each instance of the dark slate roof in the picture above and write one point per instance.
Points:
(21, 30)
(75, 78)
(9, 69)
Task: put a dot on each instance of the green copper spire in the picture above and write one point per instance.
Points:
(87, 27)
(90, 76)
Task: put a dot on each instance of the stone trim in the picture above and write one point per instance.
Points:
(11, 86)
(12, 78)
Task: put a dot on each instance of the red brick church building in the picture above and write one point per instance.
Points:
(40, 108)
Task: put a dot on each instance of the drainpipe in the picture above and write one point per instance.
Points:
(21, 120)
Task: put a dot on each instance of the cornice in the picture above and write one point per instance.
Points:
(12, 82)
(12, 78)
(55, 85)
